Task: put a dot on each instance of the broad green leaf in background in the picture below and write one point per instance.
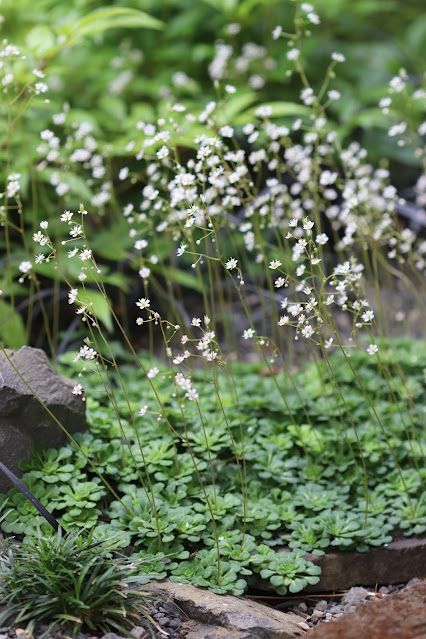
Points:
(100, 20)
(278, 110)
(98, 305)
(12, 329)
(183, 278)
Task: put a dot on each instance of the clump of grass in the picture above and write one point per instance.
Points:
(69, 582)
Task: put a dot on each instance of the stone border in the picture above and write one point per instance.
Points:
(401, 560)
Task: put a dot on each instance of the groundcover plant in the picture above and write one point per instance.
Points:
(257, 233)
(209, 494)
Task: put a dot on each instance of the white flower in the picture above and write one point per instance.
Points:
(284, 319)
(66, 216)
(44, 224)
(307, 331)
(334, 95)
(231, 264)
(162, 153)
(274, 264)
(181, 250)
(72, 295)
(293, 54)
(25, 267)
(144, 272)
(85, 255)
(144, 302)
(77, 390)
(263, 112)
(153, 372)
(76, 230)
(40, 238)
(337, 57)
(322, 239)
(123, 173)
(368, 316)
(279, 282)
(226, 131)
(142, 411)
(85, 352)
(192, 394)
(277, 32)
(248, 334)
(372, 349)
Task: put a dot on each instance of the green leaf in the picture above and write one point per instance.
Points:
(278, 110)
(183, 278)
(100, 20)
(12, 329)
(98, 305)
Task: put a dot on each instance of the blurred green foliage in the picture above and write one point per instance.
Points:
(117, 65)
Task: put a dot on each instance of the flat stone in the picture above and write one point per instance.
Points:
(401, 615)
(244, 618)
(203, 631)
(396, 563)
(27, 382)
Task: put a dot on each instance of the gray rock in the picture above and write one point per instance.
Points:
(227, 616)
(203, 631)
(355, 596)
(32, 395)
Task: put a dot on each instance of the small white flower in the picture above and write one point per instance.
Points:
(85, 255)
(77, 390)
(72, 295)
(76, 230)
(293, 54)
(153, 372)
(25, 267)
(322, 239)
(284, 320)
(372, 349)
(192, 394)
(144, 272)
(248, 334)
(226, 131)
(143, 410)
(334, 95)
(274, 264)
(368, 316)
(162, 153)
(231, 264)
(337, 57)
(307, 331)
(144, 302)
(277, 32)
(66, 216)
(40, 238)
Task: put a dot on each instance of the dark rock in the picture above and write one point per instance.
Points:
(401, 615)
(30, 393)
(228, 617)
